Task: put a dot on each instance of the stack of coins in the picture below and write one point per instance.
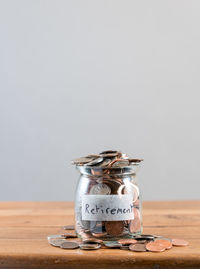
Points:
(142, 243)
(108, 173)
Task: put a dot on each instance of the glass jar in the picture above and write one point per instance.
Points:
(108, 204)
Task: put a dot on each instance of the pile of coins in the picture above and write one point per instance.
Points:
(106, 159)
(142, 243)
(109, 173)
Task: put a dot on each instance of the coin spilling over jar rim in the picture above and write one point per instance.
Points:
(108, 200)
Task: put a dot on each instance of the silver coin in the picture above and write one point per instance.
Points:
(138, 247)
(133, 189)
(88, 225)
(144, 237)
(95, 161)
(69, 227)
(120, 163)
(56, 242)
(82, 160)
(93, 156)
(113, 244)
(69, 245)
(101, 189)
(55, 236)
(105, 163)
(85, 246)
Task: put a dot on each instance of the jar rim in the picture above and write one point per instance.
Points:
(109, 171)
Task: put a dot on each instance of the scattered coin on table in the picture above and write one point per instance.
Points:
(179, 242)
(165, 243)
(85, 246)
(69, 245)
(57, 242)
(155, 247)
(69, 227)
(138, 247)
(127, 241)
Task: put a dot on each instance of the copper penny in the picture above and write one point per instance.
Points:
(135, 224)
(154, 247)
(92, 241)
(99, 235)
(179, 242)
(138, 247)
(70, 235)
(164, 242)
(114, 227)
(127, 241)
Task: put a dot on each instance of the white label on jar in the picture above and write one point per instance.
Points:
(107, 207)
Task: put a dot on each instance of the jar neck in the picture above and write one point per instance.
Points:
(108, 172)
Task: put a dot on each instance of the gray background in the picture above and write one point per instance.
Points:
(78, 77)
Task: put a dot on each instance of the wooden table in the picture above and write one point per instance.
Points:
(24, 227)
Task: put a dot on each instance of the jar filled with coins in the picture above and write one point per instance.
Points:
(108, 204)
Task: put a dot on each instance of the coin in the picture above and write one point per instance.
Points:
(145, 237)
(99, 235)
(119, 163)
(179, 242)
(135, 224)
(89, 246)
(68, 227)
(108, 152)
(114, 227)
(142, 241)
(82, 160)
(95, 161)
(109, 155)
(138, 247)
(164, 242)
(92, 241)
(93, 156)
(127, 241)
(70, 235)
(88, 225)
(100, 188)
(135, 160)
(133, 189)
(56, 242)
(155, 247)
(112, 244)
(69, 245)
(55, 236)
(125, 247)
(105, 163)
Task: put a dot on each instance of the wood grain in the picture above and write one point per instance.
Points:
(24, 227)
